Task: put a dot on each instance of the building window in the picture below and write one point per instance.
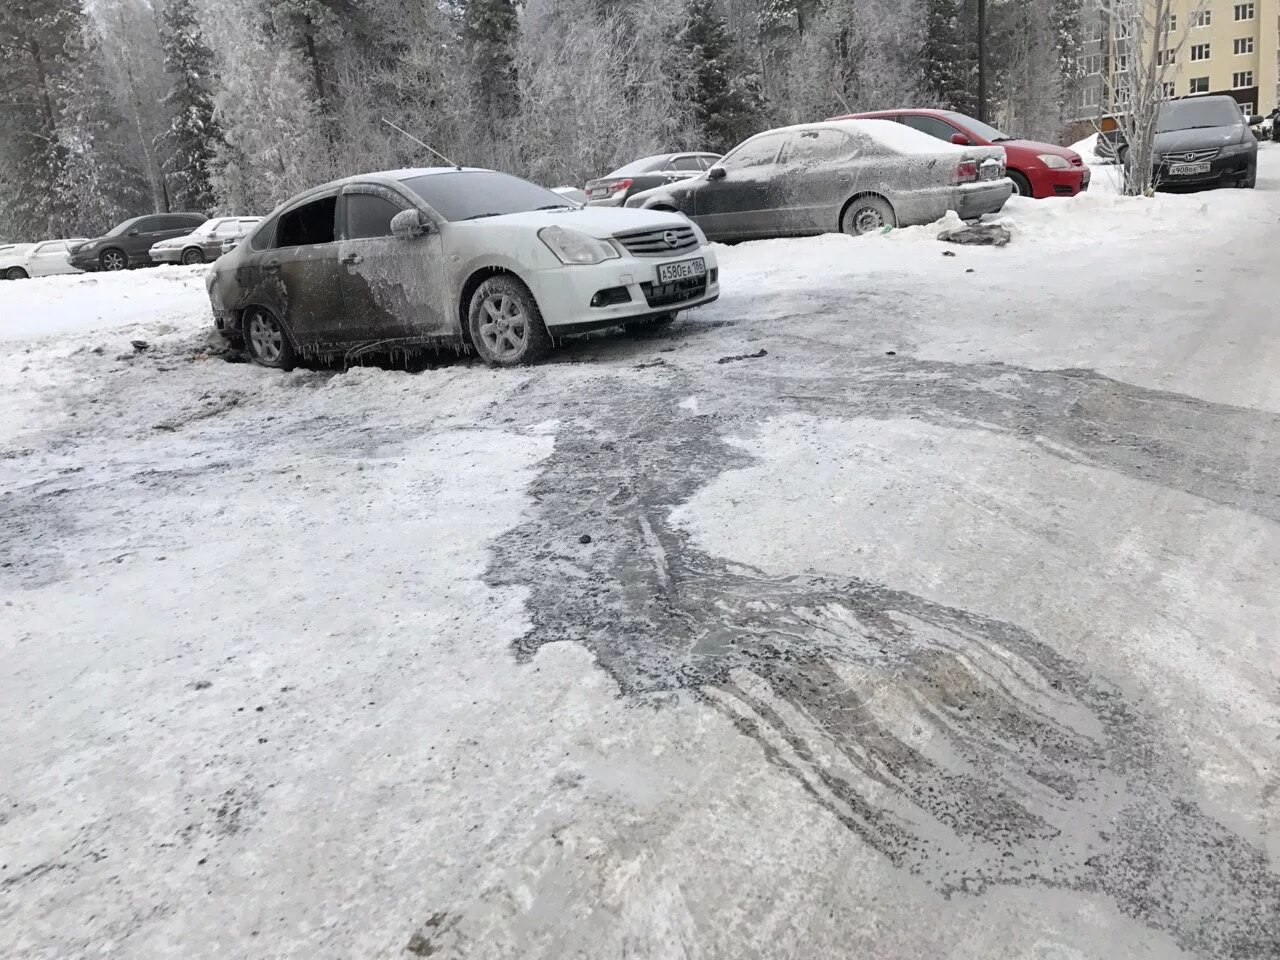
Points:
(1201, 18)
(1242, 79)
(1122, 63)
(1199, 85)
(1088, 97)
(1173, 22)
(1244, 11)
(1091, 64)
(1166, 57)
(1242, 45)
(1199, 51)
(1246, 108)
(1166, 90)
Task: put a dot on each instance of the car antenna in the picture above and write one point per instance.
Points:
(421, 143)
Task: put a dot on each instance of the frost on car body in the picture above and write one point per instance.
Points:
(394, 262)
(852, 175)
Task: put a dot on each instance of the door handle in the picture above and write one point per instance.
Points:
(271, 264)
(351, 259)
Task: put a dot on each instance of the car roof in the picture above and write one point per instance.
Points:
(912, 111)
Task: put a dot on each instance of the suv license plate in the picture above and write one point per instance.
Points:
(1187, 169)
(681, 270)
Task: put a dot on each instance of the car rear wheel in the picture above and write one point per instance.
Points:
(113, 259)
(1021, 185)
(266, 340)
(16, 273)
(192, 255)
(505, 323)
(868, 215)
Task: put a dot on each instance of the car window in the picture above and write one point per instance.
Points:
(148, 225)
(757, 152)
(685, 163)
(932, 126)
(185, 220)
(708, 160)
(369, 215)
(307, 224)
(55, 246)
(472, 194)
(817, 146)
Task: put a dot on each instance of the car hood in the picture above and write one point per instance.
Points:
(1204, 138)
(599, 222)
(1035, 146)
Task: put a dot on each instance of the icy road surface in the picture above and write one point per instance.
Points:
(946, 628)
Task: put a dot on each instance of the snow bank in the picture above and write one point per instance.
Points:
(31, 309)
(1087, 148)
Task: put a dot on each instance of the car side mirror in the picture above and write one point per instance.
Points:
(716, 173)
(1255, 119)
(408, 224)
(959, 139)
(132, 233)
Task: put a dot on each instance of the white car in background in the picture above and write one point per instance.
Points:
(47, 259)
(205, 243)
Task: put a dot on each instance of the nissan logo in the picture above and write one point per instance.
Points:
(672, 238)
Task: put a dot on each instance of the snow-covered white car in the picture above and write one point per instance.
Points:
(45, 259)
(451, 257)
(205, 242)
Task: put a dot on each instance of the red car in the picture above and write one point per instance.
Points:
(1037, 169)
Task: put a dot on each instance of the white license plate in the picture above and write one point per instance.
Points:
(681, 270)
(1187, 169)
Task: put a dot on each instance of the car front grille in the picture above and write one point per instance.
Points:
(658, 243)
(678, 291)
(1190, 156)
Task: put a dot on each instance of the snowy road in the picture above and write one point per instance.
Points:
(945, 628)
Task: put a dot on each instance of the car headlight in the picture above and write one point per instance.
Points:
(1054, 162)
(574, 246)
(1234, 148)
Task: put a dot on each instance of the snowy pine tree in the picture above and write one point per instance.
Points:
(193, 132)
(948, 57)
(726, 97)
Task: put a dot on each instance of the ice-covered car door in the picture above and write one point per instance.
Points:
(48, 259)
(298, 273)
(392, 286)
(817, 172)
(736, 204)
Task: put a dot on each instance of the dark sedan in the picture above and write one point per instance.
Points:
(1204, 142)
(129, 244)
(640, 175)
(855, 176)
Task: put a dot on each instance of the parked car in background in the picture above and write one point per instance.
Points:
(1204, 142)
(204, 243)
(45, 259)
(1037, 169)
(572, 193)
(855, 176)
(455, 258)
(129, 243)
(615, 189)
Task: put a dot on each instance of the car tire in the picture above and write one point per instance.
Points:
(112, 259)
(505, 323)
(647, 324)
(266, 340)
(866, 215)
(16, 273)
(1021, 185)
(191, 256)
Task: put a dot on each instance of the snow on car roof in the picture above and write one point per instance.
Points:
(898, 136)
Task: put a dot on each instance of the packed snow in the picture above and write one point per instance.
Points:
(899, 604)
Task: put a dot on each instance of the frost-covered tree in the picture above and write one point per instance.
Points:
(948, 59)
(727, 99)
(193, 133)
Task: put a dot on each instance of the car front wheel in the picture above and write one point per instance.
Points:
(15, 273)
(113, 259)
(505, 323)
(192, 255)
(266, 340)
(868, 215)
(1021, 185)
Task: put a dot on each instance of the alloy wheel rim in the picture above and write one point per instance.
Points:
(113, 261)
(266, 338)
(504, 328)
(191, 257)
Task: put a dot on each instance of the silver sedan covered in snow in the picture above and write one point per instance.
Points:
(855, 176)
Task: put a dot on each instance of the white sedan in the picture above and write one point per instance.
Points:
(45, 259)
(204, 243)
(451, 257)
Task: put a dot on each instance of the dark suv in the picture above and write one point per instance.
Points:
(129, 244)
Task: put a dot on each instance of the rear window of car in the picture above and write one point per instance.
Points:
(685, 164)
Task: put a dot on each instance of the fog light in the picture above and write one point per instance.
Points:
(715, 274)
(607, 298)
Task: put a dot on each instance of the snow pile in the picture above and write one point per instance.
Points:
(1086, 148)
(31, 309)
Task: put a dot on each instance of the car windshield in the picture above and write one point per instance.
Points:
(984, 130)
(208, 227)
(472, 194)
(1194, 114)
(645, 165)
(119, 229)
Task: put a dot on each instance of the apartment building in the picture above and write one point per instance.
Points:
(1213, 46)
